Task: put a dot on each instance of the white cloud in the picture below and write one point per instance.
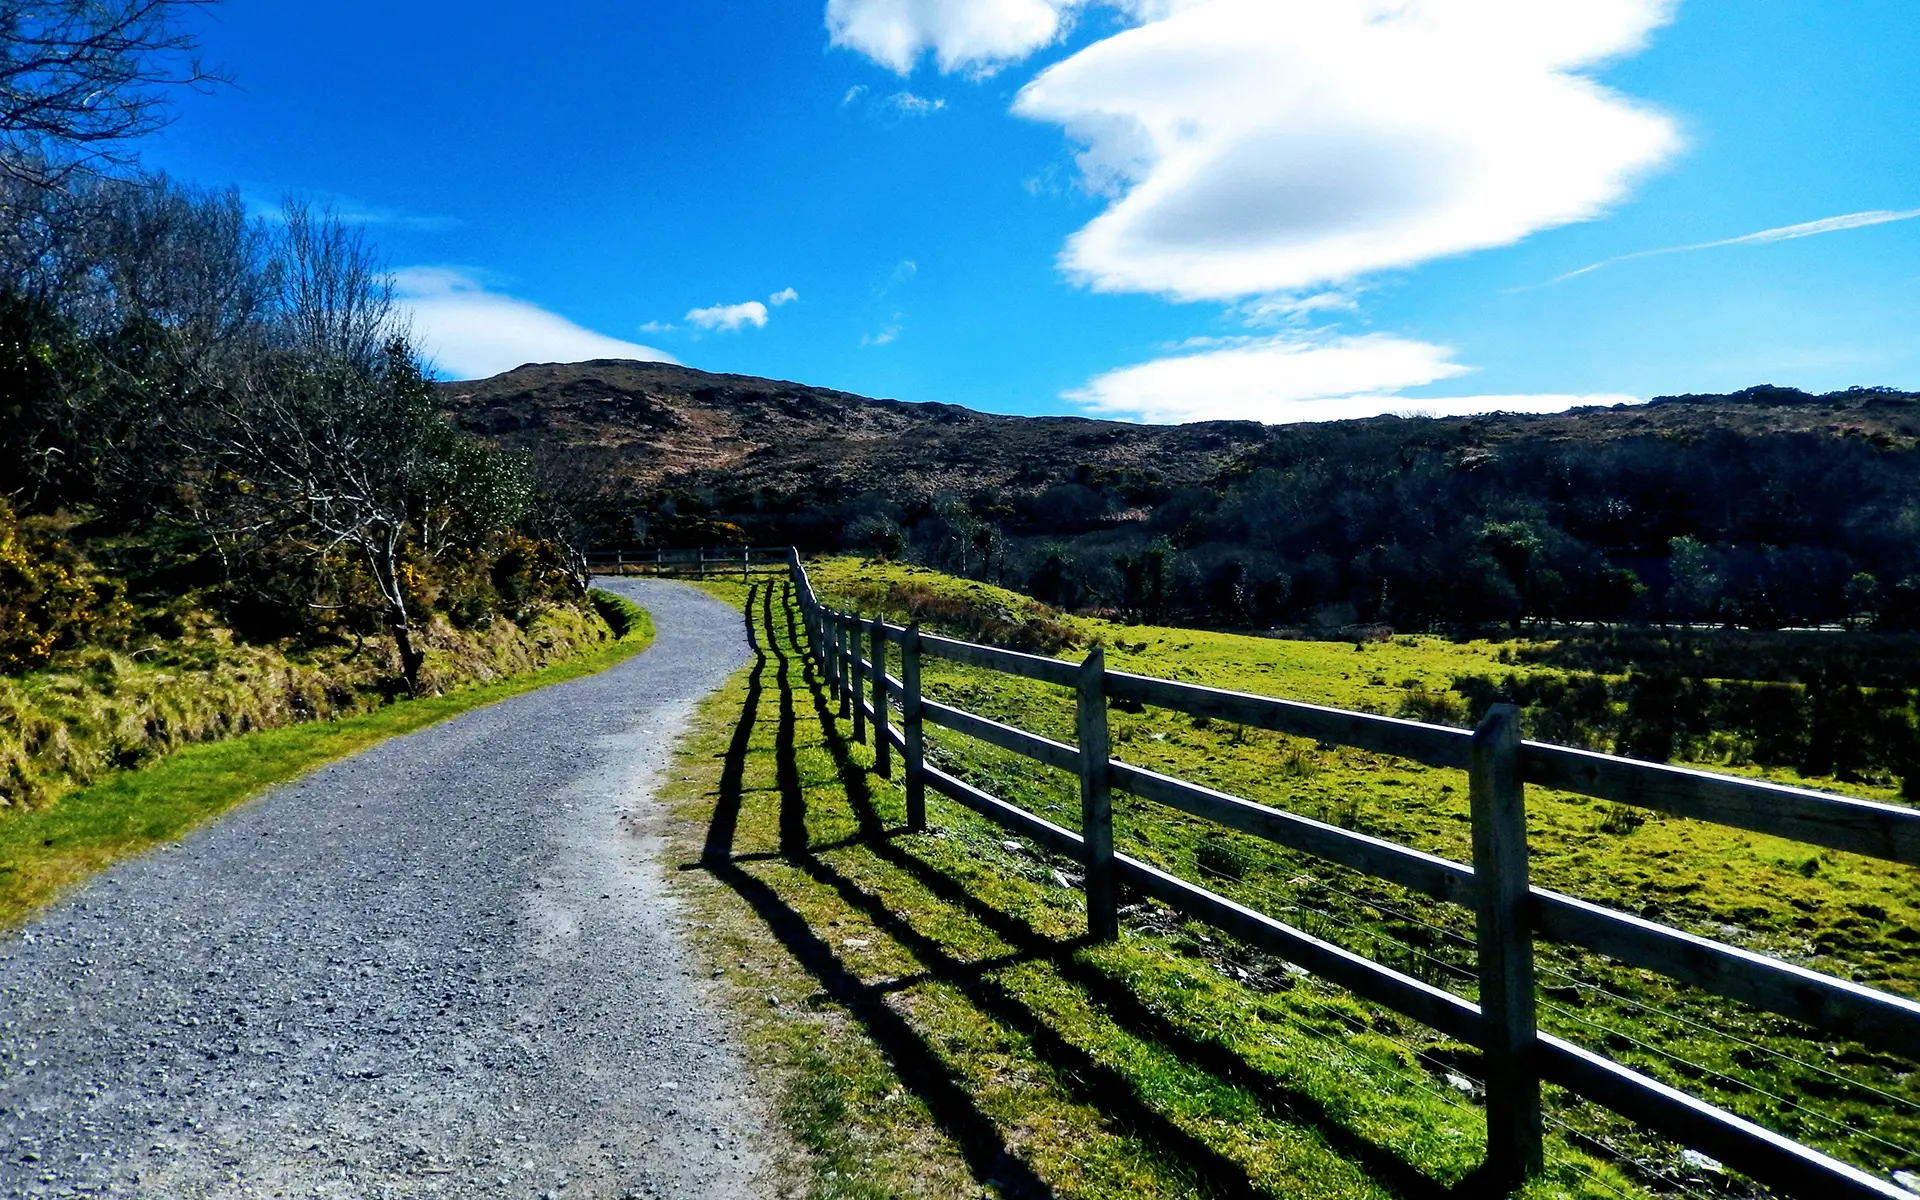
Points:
(1260, 146)
(1283, 379)
(729, 318)
(977, 36)
(1783, 233)
(785, 295)
(658, 327)
(471, 333)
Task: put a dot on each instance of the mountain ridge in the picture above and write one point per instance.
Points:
(652, 424)
(1763, 507)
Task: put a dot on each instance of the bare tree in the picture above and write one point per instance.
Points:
(111, 252)
(81, 79)
(566, 488)
(333, 459)
(187, 261)
(137, 290)
(336, 296)
(332, 442)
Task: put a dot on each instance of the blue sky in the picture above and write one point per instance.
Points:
(1161, 209)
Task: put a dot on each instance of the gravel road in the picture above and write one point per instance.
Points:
(447, 966)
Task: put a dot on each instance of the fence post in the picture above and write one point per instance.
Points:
(1096, 800)
(1505, 940)
(841, 666)
(823, 646)
(858, 678)
(809, 611)
(882, 744)
(830, 654)
(916, 766)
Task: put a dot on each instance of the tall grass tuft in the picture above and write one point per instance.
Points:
(106, 710)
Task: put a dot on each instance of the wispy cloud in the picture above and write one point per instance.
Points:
(348, 210)
(785, 295)
(909, 105)
(471, 332)
(890, 109)
(1783, 233)
(1293, 309)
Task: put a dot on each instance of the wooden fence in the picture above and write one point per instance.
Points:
(855, 656)
(689, 564)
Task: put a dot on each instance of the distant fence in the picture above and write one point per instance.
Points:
(690, 564)
(853, 656)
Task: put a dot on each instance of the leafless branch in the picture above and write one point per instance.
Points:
(81, 79)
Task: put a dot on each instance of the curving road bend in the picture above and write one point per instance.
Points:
(447, 967)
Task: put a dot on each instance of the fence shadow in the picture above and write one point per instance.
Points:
(1080, 1075)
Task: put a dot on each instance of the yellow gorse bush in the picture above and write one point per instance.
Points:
(50, 597)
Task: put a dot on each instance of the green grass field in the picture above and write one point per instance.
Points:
(45, 850)
(942, 1022)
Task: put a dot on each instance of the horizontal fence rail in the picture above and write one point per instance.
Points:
(1818, 818)
(853, 652)
(717, 562)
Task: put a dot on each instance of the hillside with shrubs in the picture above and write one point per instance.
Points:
(228, 498)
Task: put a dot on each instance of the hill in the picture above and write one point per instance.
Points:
(661, 425)
(1763, 507)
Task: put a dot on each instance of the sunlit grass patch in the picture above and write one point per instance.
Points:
(1414, 1103)
(943, 1028)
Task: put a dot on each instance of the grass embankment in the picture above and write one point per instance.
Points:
(46, 849)
(941, 1021)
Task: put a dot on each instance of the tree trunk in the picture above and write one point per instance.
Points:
(411, 658)
(578, 569)
(384, 561)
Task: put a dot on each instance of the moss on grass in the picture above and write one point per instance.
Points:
(45, 850)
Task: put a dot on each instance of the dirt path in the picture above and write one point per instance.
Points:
(445, 967)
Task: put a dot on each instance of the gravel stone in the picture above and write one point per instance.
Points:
(448, 966)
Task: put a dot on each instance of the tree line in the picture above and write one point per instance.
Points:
(1418, 524)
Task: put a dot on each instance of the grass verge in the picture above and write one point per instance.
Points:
(943, 1029)
(1851, 916)
(43, 851)
(934, 984)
